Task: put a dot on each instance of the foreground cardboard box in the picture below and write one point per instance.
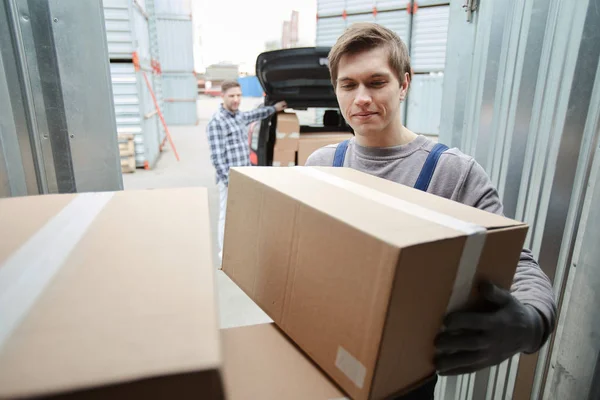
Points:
(287, 133)
(311, 142)
(284, 158)
(260, 362)
(108, 295)
(360, 271)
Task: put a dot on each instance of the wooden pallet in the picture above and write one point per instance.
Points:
(127, 153)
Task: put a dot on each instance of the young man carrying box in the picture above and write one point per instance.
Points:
(371, 73)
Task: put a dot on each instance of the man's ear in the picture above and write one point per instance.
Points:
(404, 87)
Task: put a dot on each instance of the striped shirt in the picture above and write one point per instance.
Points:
(228, 139)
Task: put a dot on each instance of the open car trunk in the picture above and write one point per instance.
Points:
(300, 76)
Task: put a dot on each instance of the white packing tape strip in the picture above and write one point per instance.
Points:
(471, 252)
(351, 367)
(27, 272)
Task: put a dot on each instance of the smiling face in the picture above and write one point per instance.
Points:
(369, 93)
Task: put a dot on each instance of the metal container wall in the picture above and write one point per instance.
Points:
(398, 21)
(359, 6)
(171, 43)
(522, 94)
(428, 39)
(173, 7)
(425, 103)
(330, 7)
(132, 104)
(175, 43)
(154, 53)
(126, 30)
(329, 29)
(351, 19)
(43, 66)
(383, 5)
(179, 97)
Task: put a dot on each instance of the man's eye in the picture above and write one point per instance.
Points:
(348, 86)
(378, 83)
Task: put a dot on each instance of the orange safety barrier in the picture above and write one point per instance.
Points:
(156, 69)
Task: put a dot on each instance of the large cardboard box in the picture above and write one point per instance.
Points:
(287, 133)
(260, 362)
(311, 142)
(360, 271)
(284, 158)
(108, 295)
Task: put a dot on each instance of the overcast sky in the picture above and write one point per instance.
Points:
(236, 30)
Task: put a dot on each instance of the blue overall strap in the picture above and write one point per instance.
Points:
(340, 153)
(429, 167)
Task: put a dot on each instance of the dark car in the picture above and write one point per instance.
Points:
(300, 76)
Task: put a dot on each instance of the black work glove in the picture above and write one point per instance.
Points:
(475, 340)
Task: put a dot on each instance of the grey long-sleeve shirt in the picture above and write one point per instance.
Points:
(457, 177)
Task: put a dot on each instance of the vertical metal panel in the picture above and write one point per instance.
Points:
(177, 7)
(520, 96)
(329, 30)
(141, 35)
(383, 5)
(155, 55)
(330, 7)
(574, 364)
(175, 43)
(65, 135)
(428, 39)
(89, 113)
(398, 21)
(359, 6)
(18, 175)
(425, 103)
(179, 94)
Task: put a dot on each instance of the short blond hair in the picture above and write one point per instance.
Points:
(226, 85)
(364, 36)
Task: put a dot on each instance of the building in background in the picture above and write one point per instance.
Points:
(289, 33)
(423, 28)
(216, 74)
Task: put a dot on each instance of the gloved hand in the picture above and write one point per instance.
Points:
(475, 340)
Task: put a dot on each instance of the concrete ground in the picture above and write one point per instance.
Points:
(195, 169)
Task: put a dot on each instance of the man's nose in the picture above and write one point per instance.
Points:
(363, 96)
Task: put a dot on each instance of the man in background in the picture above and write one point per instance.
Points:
(228, 139)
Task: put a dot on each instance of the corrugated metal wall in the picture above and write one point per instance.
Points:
(173, 47)
(522, 94)
(154, 53)
(175, 43)
(128, 31)
(428, 39)
(173, 7)
(179, 97)
(133, 111)
(424, 32)
(424, 102)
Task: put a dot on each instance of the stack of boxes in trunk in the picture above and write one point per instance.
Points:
(356, 272)
(292, 147)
